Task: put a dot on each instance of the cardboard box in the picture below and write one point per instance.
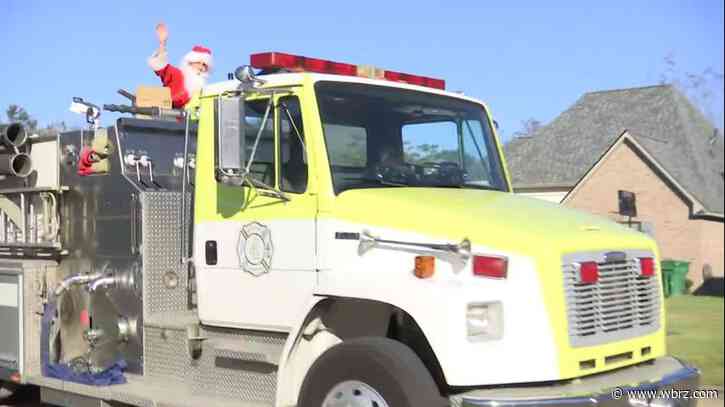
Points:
(153, 96)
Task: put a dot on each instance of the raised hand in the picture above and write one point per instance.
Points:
(162, 32)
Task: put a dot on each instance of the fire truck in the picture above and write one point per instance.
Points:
(316, 234)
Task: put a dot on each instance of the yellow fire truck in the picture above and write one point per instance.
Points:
(313, 234)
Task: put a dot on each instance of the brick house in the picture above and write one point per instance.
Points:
(651, 141)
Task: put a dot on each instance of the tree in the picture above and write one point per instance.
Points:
(702, 87)
(52, 129)
(529, 128)
(17, 114)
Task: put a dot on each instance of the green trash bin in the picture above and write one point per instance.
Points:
(674, 277)
(666, 275)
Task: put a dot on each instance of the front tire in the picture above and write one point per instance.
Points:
(369, 372)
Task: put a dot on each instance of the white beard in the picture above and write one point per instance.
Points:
(193, 81)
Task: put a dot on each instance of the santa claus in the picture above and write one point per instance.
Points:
(186, 80)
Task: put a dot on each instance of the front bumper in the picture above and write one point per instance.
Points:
(641, 385)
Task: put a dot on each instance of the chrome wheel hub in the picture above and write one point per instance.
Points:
(354, 394)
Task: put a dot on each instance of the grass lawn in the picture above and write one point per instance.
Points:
(695, 334)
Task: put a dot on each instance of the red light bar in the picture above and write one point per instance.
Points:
(415, 80)
(296, 63)
(278, 60)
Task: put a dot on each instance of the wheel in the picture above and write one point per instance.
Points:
(369, 372)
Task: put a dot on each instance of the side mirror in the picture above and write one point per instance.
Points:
(230, 140)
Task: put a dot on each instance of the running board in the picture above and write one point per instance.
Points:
(245, 350)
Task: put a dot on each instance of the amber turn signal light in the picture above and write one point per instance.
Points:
(425, 266)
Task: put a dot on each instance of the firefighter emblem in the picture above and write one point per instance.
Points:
(255, 248)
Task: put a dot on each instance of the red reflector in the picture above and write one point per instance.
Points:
(647, 266)
(588, 272)
(492, 267)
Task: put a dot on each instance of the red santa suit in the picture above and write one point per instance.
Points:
(88, 158)
(183, 81)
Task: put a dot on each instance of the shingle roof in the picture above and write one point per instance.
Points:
(660, 118)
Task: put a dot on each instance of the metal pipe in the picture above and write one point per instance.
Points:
(78, 279)
(23, 219)
(107, 281)
(3, 227)
(185, 173)
(16, 164)
(14, 136)
(33, 223)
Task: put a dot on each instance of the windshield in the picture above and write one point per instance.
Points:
(380, 137)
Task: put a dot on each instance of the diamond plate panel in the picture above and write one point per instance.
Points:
(166, 357)
(219, 374)
(247, 379)
(160, 245)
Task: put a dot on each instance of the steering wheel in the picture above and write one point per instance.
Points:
(440, 173)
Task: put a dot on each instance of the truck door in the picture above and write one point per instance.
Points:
(254, 251)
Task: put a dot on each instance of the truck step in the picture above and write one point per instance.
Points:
(244, 350)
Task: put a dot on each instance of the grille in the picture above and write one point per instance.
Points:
(621, 305)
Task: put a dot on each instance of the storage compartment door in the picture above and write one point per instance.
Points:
(10, 318)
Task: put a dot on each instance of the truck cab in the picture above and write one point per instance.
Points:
(389, 204)
(348, 236)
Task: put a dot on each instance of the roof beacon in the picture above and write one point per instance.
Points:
(271, 61)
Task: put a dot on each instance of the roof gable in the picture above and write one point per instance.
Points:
(659, 118)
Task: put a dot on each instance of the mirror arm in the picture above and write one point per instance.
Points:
(294, 126)
(259, 136)
(266, 189)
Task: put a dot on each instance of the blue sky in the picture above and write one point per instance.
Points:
(531, 59)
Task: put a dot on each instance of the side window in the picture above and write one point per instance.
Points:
(430, 142)
(293, 156)
(347, 145)
(264, 159)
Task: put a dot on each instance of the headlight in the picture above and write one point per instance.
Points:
(485, 321)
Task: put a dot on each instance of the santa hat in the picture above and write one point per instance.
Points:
(199, 54)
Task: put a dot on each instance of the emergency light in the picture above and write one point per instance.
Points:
(271, 61)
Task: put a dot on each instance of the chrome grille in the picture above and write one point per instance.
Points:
(621, 305)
